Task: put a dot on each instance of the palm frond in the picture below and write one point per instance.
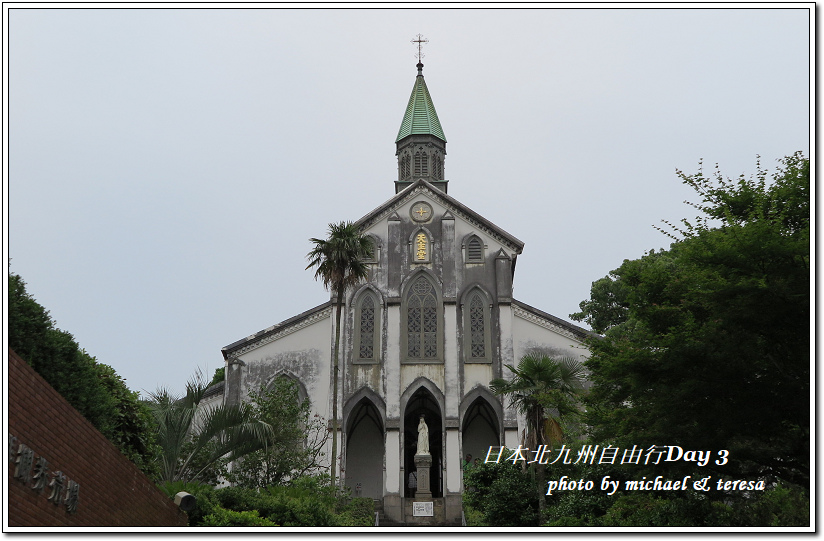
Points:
(540, 384)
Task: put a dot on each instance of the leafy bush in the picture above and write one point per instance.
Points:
(473, 517)
(778, 506)
(306, 501)
(578, 507)
(359, 512)
(225, 517)
(568, 522)
(503, 494)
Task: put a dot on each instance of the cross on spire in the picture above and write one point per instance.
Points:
(420, 41)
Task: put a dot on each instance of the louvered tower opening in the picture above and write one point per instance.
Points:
(475, 250)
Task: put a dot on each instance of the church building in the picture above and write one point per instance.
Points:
(434, 323)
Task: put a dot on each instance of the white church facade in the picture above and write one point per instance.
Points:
(434, 323)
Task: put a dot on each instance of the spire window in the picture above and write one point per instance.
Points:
(406, 160)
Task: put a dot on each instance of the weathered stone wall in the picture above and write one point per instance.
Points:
(112, 491)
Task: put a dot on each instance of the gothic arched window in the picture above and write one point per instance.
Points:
(476, 327)
(422, 321)
(425, 164)
(418, 156)
(367, 324)
(367, 328)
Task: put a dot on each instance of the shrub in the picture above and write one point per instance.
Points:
(226, 517)
(503, 494)
(778, 506)
(359, 512)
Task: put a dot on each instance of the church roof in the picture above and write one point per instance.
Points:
(420, 117)
(508, 240)
(555, 323)
(275, 331)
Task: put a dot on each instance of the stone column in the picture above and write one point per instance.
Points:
(423, 463)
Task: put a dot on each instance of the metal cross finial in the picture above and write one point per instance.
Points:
(421, 40)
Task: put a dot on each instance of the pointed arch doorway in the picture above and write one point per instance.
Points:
(364, 450)
(423, 403)
(480, 429)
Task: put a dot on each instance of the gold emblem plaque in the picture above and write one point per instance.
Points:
(421, 211)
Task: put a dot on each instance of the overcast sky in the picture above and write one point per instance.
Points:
(167, 167)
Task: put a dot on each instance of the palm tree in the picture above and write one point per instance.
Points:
(545, 390)
(340, 264)
(193, 439)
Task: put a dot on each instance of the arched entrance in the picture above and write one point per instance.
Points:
(423, 403)
(480, 429)
(364, 450)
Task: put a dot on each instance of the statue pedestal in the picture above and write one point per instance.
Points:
(423, 463)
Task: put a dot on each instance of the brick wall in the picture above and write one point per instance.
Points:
(111, 490)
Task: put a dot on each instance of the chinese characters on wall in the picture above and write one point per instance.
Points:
(420, 243)
(35, 472)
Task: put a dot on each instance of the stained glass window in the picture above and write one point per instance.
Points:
(367, 328)
(422, 321)
(476, 328)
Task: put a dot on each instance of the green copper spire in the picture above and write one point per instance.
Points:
(420, 117)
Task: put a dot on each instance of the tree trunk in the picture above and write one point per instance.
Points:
(540, 470)
(335, 368)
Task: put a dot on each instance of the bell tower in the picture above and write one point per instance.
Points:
(421, 144)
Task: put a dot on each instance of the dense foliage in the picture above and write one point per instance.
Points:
(305, 501)
(707, 344)
(93, 388)
(503, 495)
(500, 494)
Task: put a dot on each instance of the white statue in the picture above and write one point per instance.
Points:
(423, 438)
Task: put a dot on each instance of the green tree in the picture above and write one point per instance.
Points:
(546, 391)
(706, 344)
(295, 446)
(94, 389)
(220, 375)
(195, 440)
(339, 264)
(502, 495)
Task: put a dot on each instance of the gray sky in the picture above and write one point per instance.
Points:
(167, 167)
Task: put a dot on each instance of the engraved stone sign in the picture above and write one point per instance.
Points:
(423, 509)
